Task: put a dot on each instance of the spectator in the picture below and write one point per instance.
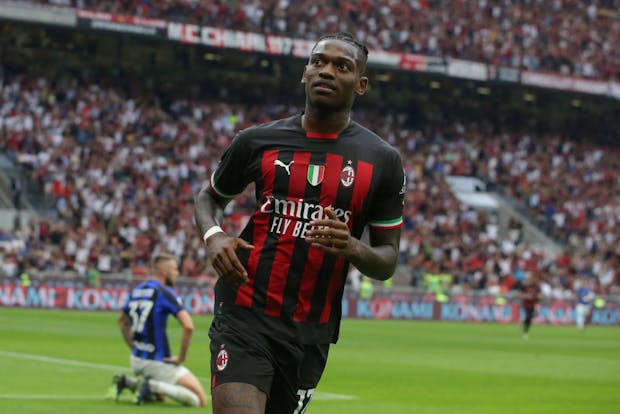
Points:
(568, 37)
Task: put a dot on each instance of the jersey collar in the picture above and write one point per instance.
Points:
(322, 135)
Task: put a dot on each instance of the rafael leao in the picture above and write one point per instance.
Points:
(320, 180)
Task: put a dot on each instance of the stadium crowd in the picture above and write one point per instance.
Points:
(567, 36)
(572, 189)
(121, 173)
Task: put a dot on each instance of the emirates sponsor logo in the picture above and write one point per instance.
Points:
(300, 209)
(292, 217)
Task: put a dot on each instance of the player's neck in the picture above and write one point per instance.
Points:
(160, 279)
(326, 122)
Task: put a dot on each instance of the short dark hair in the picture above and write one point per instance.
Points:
(162, 257)
(348, 37)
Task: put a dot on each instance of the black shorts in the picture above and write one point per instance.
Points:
(312, 366)
(287, 372)
(529, 313)
(310, 371)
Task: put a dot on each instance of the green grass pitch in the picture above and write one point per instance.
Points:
(63, 361)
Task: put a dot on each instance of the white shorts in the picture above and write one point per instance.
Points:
(583, 310)
(157, 370)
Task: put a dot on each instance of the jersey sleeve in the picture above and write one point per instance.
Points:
(229, 178)
(125, 308)
(171, 301)
(386, 209)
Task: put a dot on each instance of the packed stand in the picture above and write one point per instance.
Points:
(121, 173)
(444, 237)
(567, 36)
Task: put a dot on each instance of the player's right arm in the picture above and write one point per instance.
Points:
(221, 248)
(226, 181)
(124, 323)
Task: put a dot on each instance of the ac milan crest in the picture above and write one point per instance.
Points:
(347, 176)
(222, 360)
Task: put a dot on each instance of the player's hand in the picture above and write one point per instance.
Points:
(221, 250)
(173, 360)
(330, 235)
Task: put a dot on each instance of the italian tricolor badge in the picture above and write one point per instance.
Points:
(315, 174)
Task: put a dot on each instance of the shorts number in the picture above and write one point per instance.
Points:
(139, 311)
(304, 400)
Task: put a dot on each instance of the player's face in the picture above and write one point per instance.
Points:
(170, 269)
(333, 76)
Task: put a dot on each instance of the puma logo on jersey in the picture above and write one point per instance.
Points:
(287, 167)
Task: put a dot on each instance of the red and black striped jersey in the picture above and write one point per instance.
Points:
(530, 293)
(294, 287)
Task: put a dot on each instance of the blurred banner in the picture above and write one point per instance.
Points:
(25, 12)
(109, 294)
(121, 23)
(464, 308)
(287, 46)
(459, 68)
(566, 83)
(112, 294)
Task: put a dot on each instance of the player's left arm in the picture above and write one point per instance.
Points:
(186, 338)
(377, 260)
(173, 304)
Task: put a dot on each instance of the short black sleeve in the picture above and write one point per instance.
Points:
(230, 177)
(386, 209)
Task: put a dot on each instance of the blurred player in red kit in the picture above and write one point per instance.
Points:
(529, 295)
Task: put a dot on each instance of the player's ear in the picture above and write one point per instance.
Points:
(303, 76)
(362, 86)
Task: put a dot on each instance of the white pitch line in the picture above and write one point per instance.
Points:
(49, 397)
(71, 362)
(320, 396)
(61, 361)
(324, 396)
(42, 358)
